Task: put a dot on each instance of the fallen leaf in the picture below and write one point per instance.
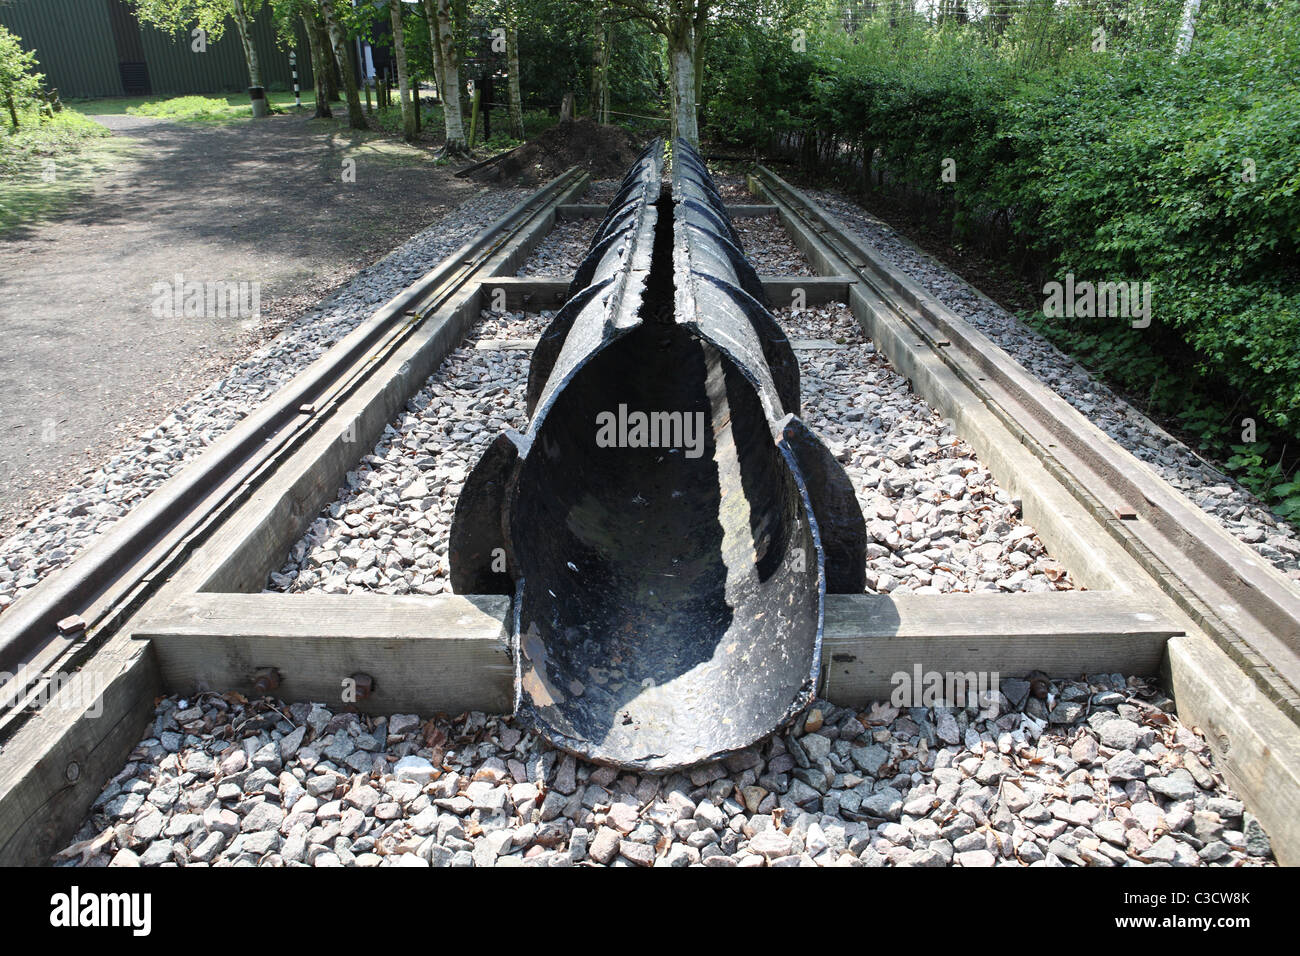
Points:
(881, 713)
(87, 848)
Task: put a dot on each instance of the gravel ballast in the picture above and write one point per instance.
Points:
(389, 531)
(559, 254)
(103, 496)
(937, 520)
(1077, 773)
(1218, 495)
(769, 247)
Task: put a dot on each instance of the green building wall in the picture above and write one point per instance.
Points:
(75, 45)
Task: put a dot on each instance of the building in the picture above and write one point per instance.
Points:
(93, 48)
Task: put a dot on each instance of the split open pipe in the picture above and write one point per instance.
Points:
(667, 525)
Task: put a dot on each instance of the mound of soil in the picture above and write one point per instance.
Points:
(604, 151)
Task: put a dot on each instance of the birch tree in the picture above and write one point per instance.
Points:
(512, 69)
(1187, 28)
(339, 43)
(209, 16)
(320, 62)
(399, 54)
(683, 23)
(288, 14)
(600, 68)
(447, 61)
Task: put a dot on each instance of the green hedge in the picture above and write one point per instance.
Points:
(1110, 167)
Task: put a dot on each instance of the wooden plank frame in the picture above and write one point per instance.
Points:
(450, 653)
(210, 628)
(1070, 476)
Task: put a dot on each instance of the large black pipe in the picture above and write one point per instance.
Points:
(659, 533)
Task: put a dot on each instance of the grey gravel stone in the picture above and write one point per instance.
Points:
(1010, 792)
(1178, 785)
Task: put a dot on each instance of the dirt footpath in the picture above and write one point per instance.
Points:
(90, 352)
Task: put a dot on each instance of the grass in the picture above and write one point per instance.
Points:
(182, 109)
(46, 165)
(389, 122)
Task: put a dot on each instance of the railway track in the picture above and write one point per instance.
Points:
(1250, 609)
(171, 599)
(59, 626)
(1235, 669)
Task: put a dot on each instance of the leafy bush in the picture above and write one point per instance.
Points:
(19, 81)
(1125, 165)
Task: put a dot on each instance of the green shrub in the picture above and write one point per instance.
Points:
(1126, 165)
(19, 81)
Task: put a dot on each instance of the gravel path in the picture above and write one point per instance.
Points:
(1239, 511)
(1087, 774)
(104, 495)
(89, 360)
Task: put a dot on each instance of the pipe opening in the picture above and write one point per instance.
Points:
(664, 550)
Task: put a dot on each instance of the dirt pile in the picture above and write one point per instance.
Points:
(604, 151)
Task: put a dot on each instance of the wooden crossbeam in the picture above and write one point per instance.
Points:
(423, 654)
(868, 638)
(450, 652)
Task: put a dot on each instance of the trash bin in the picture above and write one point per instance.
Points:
(258, 95)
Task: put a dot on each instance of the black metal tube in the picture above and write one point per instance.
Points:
(661, 540)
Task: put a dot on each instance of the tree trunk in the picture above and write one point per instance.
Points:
(449, 61)
(681, 65)
(700, 37)
(512, 72)
(604, 76)
(1187, 28)
(431, 20)
(399, 54)
(327, 59)
(339, 43)
(320, 65)
(600, 70)
(246, 38)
